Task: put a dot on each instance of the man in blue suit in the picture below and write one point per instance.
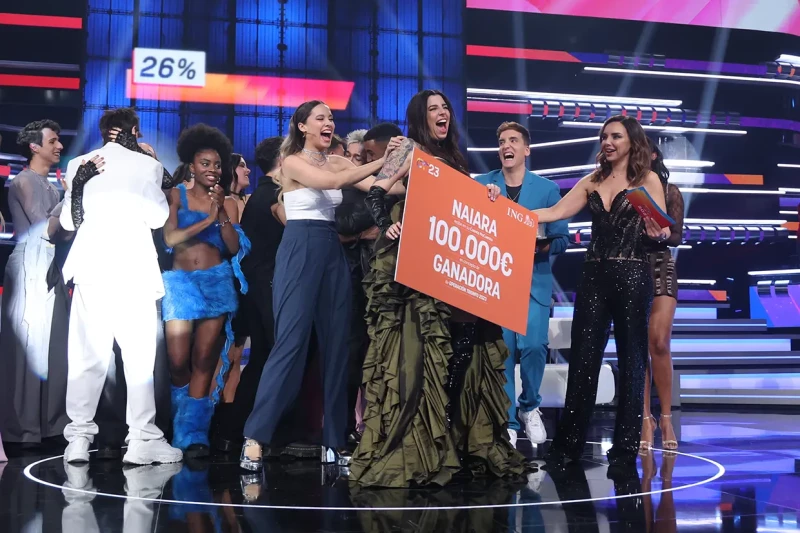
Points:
(527, 189)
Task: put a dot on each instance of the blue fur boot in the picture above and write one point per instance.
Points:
(178, 395)
(191, 427)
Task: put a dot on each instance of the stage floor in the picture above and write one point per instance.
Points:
(733, 473)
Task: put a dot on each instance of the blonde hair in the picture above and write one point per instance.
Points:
(355, 136)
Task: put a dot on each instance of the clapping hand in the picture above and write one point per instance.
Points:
(217, 199)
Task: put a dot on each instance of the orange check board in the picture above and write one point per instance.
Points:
(460, 247)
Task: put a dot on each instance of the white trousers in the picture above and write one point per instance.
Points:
(100, 314)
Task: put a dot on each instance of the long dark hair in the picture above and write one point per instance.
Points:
(657, 163)
(295, 140)
(235, 160)
(638, 157)
(418, 130)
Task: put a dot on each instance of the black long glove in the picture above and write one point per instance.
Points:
(377, 207)
(85, 172)
(128, 140)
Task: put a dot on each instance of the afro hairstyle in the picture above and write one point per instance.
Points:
(204, 137)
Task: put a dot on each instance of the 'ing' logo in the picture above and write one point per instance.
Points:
(519, 217)
(433, 170)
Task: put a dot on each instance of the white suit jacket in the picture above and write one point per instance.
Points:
(122, 206)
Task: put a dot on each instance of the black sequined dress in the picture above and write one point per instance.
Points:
(616, 286)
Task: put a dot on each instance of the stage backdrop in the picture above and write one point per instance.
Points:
(373, 44)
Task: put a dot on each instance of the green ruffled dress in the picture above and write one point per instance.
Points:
(406, 441)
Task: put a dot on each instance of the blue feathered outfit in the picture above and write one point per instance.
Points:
(196, 295)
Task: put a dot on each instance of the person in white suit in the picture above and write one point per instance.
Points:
(116, 199)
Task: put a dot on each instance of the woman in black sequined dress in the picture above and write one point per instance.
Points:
(616, 286)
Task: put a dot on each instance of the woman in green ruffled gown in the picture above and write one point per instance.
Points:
(433, 375)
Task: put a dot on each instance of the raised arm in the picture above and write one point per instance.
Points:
(397, 166)
(65, 217)
(174, 236)
(557, 232)
(570, 205)
(295, 168)
(128, 140)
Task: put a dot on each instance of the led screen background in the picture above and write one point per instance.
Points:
(375, 45)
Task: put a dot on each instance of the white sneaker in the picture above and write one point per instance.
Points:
(512, 436)
(534, 427)
(79, 487)
(145, 452)
(77, 451)
(535, 479)
(148, 481)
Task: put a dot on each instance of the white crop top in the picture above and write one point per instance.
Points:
(311, 204)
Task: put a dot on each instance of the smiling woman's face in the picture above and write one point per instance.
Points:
(319, 128)
(438, 117)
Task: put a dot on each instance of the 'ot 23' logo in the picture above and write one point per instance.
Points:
(433, 170)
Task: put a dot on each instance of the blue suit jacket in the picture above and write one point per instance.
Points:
(537, 193)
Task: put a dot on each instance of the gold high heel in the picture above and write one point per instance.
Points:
(645, 445)
(670, 445)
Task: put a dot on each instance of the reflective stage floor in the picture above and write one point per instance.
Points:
(733, 473)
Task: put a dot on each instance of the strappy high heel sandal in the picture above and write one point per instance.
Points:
(251, 458)
(646, 445)
(670, 445)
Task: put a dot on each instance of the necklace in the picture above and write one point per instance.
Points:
(320, 158)
(518, 192)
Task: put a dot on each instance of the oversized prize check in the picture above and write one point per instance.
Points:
(460, 247)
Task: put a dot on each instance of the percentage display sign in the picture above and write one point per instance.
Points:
(152, 66)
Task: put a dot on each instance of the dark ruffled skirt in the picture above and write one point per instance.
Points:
(406, 441)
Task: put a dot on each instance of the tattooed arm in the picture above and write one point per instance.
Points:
(396, 167)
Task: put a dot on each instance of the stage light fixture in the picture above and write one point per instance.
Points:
(689, 75)
(789, 58)
(540, 145)
(702, 190)
(730, 222)
(788, 165)
(697, 282)
(663, 129)
(588, 98)
(774, 272)
(788, 189)
(673, 163)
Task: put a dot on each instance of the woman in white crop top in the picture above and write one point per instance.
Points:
(311, 283)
